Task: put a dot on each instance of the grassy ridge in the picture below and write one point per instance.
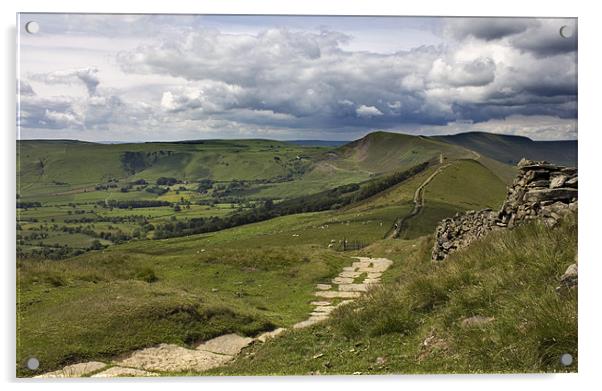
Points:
(414, 323)
(510, 149)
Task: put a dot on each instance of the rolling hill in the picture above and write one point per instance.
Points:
(510, 149)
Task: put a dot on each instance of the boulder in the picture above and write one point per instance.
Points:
(558, 181)
(538, 195)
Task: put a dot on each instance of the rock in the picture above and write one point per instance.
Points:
(230, 344)
(353, 287)
(476, 321)
(174, 358)
(558, 181)
(343, 280)
(571, 182)
(75, 370)
(124, 372)
(323, 287)
(569, 278)
(270, 334)
(336, 294)
(550, 194)
(541, 183)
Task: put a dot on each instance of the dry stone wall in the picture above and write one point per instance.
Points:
(541, 190)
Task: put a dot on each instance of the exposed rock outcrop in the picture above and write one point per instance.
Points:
(541, 190)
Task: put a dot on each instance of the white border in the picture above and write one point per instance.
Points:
(589, 144)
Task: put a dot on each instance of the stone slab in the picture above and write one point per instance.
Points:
(350, 274)
(353, 288)
(309, 322)
(230, 344)
(270, 334)
(342, 280)
(323, 287)
(174, 358)
(75, 370)
(124, 372)
(342, 295)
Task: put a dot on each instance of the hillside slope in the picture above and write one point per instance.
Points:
(379, 152)
(491, 307)
(510, 149)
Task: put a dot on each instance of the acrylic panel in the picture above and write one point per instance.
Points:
(204, 195)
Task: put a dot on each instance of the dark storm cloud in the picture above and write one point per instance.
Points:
(547, 40)
(488, 29)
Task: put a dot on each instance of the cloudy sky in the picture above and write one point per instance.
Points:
(179, 77)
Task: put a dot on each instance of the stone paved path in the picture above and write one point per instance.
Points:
(348, 285)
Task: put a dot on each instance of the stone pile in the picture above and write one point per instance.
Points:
(461, 230)
(541, 190)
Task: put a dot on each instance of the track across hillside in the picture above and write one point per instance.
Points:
(418, 204)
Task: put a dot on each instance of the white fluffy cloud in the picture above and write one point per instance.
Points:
(367, 111)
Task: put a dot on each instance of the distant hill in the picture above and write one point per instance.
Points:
(318, 143)
(382, 151)
(510, 149)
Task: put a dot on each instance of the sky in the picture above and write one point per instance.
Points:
(184, 77)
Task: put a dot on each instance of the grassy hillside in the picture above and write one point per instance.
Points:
(186, 289)
(510, 149)
(48, 167)
(379, 151)
(125, 291)
(416, 322)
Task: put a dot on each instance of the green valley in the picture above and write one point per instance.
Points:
(126, 246)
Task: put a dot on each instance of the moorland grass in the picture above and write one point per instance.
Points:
(413, 323)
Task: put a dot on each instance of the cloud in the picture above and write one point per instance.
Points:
(200, 80)
(478, 72)
(538, 127)
(87, 76)
(24, 88)
(488, 29)
(62, 120)
(309, 78)
(546, 40)
(367, 111)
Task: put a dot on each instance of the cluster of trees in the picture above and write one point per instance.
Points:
(133, 204)
(233, 188)
(166, 181)
(157, 190)
(329, 199)
(204, 186)
(50, 252)
(108, 219)
(27, 205)
(115, 237)
(106, 186)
